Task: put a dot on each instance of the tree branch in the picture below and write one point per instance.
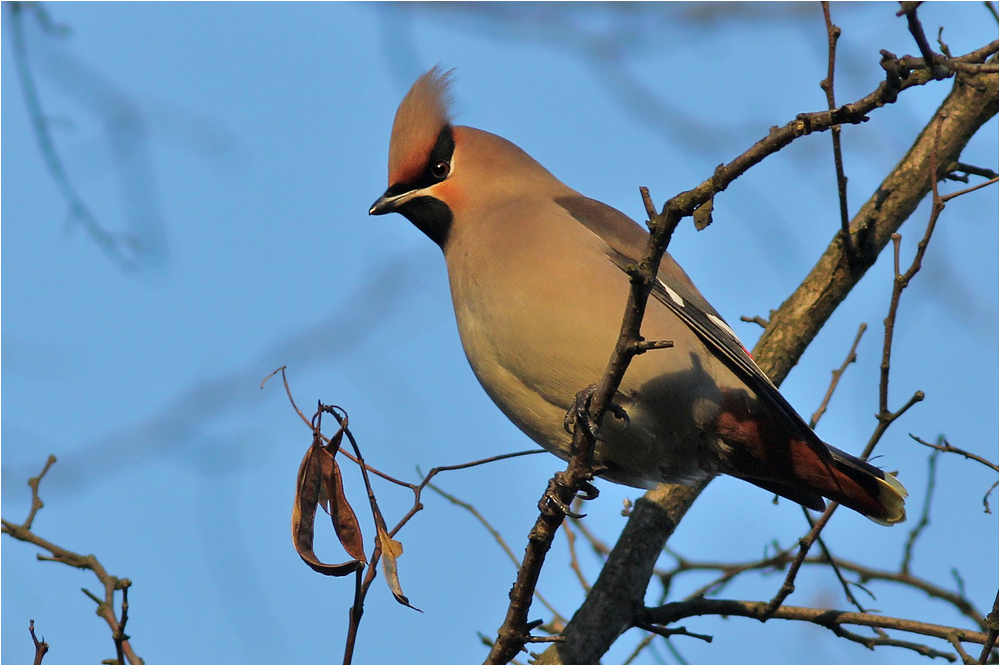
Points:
(111, 584)
(831, 619)
(972, 101)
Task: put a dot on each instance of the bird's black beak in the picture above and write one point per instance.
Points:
(387, 203)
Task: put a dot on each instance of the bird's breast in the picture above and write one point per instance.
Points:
(539, 316)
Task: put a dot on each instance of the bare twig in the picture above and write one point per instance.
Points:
(831, 619)
(925, 514)
(667, 633)
(986, 497)
(885, 417)
(844, 584)
(917, 30)
(557, 616)
(41, 647)
(945, 447)
(900, 282)
(837, 374)
(783, 557)
(756, 319)
(992, 10)
(971, 170)
(805, 543)
(832, 35)
(574, 561)
(111, 584)
(948, 197)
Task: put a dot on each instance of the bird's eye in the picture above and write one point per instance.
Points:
(440, 169)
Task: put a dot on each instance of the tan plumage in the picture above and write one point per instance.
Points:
(419, 119)
(537, 283)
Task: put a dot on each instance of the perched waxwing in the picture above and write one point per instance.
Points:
(539, 288)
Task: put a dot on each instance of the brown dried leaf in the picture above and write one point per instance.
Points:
(307, 495)
(345, 521)
(391, 550)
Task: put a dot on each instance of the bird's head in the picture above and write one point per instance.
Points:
(421, 157)
(442, 175)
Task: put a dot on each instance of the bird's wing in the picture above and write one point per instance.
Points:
(626, 243)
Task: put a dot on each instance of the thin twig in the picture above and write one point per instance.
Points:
(900, 282)
(833, 34)
(986, 497)
(945, 447)
(844, 584)
(805, 543)
(925, 513)
(757, 319)
(865, 574)
(917, 30)
(885, 417)
(41, 647)
(111, 584)
(837, 374)
(495, 533)
(948, 197)
(831, 619)
(574, 561)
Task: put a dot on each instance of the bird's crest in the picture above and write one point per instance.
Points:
(421, 116)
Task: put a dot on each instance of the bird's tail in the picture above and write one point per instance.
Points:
(866, 489)
(842, 478)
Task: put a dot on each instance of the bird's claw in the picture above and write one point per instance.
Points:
(553, 503)
(580, 413)
(588, 491)
(620, 413)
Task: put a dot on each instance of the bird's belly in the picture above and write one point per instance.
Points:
(532, 364)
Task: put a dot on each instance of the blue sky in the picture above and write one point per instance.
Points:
(244, 144)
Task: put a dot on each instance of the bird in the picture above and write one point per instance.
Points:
(538, 281)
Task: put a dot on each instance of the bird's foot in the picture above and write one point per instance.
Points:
(551, 503)
(580, 413)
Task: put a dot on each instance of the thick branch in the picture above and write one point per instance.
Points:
(973, 101)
